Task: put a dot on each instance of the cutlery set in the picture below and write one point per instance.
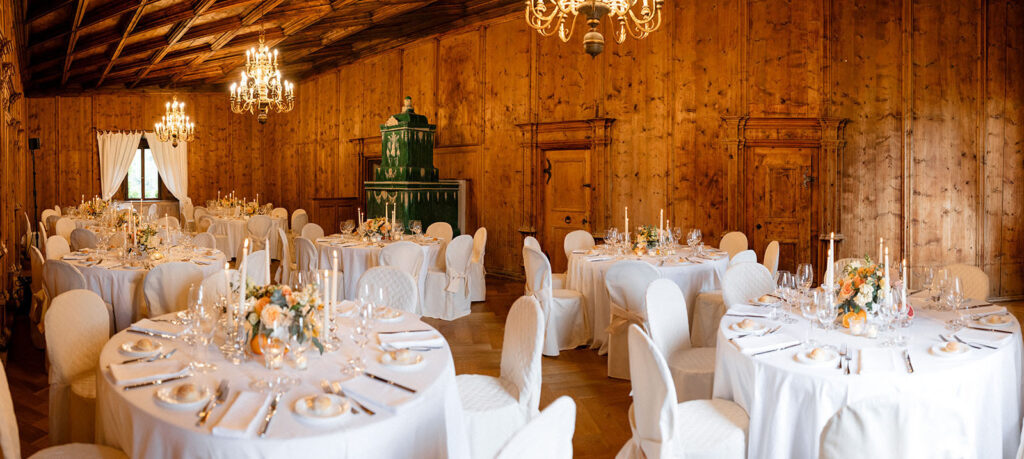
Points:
(154, 358)
(766, 333)
(220, 397)
(270, 413)
(149, 333)
(335, 389)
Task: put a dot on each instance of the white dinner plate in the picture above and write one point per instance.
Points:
(389, 315)
(164, 398)
(831, 358)
(401, 366)
(983, 322)
(130, 350)
(339, 408)
(758, 326)
(937, 350)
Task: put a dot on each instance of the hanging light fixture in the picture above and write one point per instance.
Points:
(174, 126)
(551, 16)
(261, 87)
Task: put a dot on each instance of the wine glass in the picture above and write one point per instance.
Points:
(611, 235)
(416, 226)
(692, 238)
(807, 305)
(204, 318)
(825, 311)
(299, 343)
(360, 335)
(677, 235)
(782, 288)
(348, 226)
(955, 299)
(804, 277)
(938, 286)
(929, 277)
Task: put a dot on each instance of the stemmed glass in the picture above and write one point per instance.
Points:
(804, 277)
(929, 278)
(825, 310)
(360, 335)
(611, 236)
(348, 226)
(416, 227)
(397, 231)
(783, 282)
(955, 299)
(204, 315)
(677, 235)
(693, 238)
(938, 285)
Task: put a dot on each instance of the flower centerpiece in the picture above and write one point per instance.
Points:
(250, 208)
(145, 238)
(275, 314)
(94, 207)
(862, 288)
(646, 237)
(375, 226)
(228, 201)
(124, 216)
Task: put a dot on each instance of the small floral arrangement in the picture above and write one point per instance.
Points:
(275, 315)
(124, 216)
(94, 207)
(145, 237)
(646, 237)
(379, 226)
(228, 201)
(861, 286)
(250, 208)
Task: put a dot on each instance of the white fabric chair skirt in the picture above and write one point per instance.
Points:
(230, 232)
(707, 313)
(492, 414)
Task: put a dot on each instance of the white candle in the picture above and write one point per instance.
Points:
(257, 199)
(831, 263)
(266, 253)
(903, 289)
(334, 277)
(626, 229)
(888, 286)
(327, 307)
(242, 276)
(881, 242)
(661, 224)
(227, 283)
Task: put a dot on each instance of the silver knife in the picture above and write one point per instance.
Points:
(746, 315)
(776, 349)
(991, 330)
(222, 395)
(270, 414)
(910, 365)
(156, 382)
(388, 381)
(148, 333)
(980, 305)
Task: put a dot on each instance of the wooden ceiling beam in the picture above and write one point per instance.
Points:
(75, 23)
(33, 14)
(179, 31)
(124, 38)
(328, 39)
(109, 10)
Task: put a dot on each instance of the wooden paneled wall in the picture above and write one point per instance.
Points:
(15, 166)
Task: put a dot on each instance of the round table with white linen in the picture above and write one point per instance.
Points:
(234, 231)
(790, 402)
(355, 257)
(121, 285)
(587, 271)
(427, 424)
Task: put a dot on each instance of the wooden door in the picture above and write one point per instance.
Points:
(567, 188)
(781, 195)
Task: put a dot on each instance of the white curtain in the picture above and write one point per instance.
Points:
(116, 152)
(172, 163)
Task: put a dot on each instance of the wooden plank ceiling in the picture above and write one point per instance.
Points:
(85, 44)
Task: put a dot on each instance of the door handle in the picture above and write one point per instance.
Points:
(547, 171)
(568, 219)
(585, 221)
(808, 180)
(586, 185)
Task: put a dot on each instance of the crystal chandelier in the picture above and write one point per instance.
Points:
(551, 18)
(174, 125)
(262, 88)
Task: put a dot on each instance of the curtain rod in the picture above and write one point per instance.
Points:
(120, 131)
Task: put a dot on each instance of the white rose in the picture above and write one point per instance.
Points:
(861, 299)
(866, 289)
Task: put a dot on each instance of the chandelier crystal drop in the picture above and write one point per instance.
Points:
(174, 126)
(636, 18)
(262, 88)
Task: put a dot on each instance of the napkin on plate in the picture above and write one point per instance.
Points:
(134, 373)
(876, 360)
(744, 310)
(152, 326)
(349, 244)
(996, 339)
(379, 395)
(413, 338)
(986, 311)
(754, 344)
(239, 421)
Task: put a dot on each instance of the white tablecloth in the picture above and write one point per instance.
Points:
(789, 403)
(122, 287)
(355, 260)
(587, 277)
(429, 425)
(234, 232)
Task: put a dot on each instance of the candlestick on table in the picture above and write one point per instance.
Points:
(242, 275)
(881, 244)
(266, 257)
(227, 282)
(888, 286)
(325, 295)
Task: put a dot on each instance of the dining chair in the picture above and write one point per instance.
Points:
(557, 279)
(40, 299)
(564, 327)
(733, 242)
(405, 255)
(477, 273)
(168, 221)
(531, 242)
(64, 227)
(285, 268)
(440, 230)
(903, 425)
(188, 214)
(199, 212)
(771, 258)
(745, 282)
(43, 237)
(45, 215)
(152, 212)
(257, 268)
(709, 305)
(312, 231)
(51, 223)
(446, 293)
(29, 234)
(973, 280)
(166, 287)
(82, 238)
(203, 223)
(56, 208)
(626, 282)
(664, 428)
(77, 326)
(745, 256)
(57, 247)
(60, 276)
(205, 239)
(692, 368)
(307, 258)
(299, 220)
(279, 212)
(258, 231)
(495, 408)
(217, 285)
(575, 240)
(399, 288)
(548, 435)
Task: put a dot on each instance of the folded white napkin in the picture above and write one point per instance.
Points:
(755, 344)
(134, 373)
(579, 251)
(324, 239)
(410, 339)
(744, 310)
(239, 421)
(200, 261)
(75, 256)
(876, 360)
(599, 258)
(163, 328)
(379, 395)
(986, 311)
(984, 337)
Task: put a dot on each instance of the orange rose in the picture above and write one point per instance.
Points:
(260, 304)
(846, 290)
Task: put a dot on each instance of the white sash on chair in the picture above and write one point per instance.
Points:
(621, 318)
(453, 282)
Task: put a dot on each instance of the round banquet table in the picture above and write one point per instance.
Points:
(586, 275)
(234, 231)
(429, 424)
(121, 285)
(789, 403)
(355, 257)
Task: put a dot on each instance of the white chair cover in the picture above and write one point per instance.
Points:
(577, 240)
(495, 408)
(116, 240)
(199, 212)
(533, 243)
(216, 285)
(733, 242)
(57, 247)
(399, 287)
(440, 230)
(51, 223)
(771, 258)
(166, 286)
(692, 368)
(745, 282)
(306, 257)
(42, 237)
(973, 280)
(60, 276)
(312, 231)
(10, 444)
(64, 227)
(257, 268)
(56, 208)
(187, 211)
(77, 327)
(285, 268)
(168, 221)
(404, 255)
(82, 238)
(279, 212)
(203, 223)
(205, 239)
(446, 294)
(627, 282)
(902, 425)
(151, 212)
(29, 234)
(564, 327)
(549, 435)
(477, 273)
(40, 299)
(299, 220)
(258, 227)
(557, 279)
(45, 217)
(664, 429)
(746, 256)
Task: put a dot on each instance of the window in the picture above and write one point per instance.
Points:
(143, 180)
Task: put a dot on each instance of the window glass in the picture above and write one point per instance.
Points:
(151, 181)
(135, 176)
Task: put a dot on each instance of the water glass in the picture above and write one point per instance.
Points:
(204, 316)
(416, 226)
(273, 352)
(804, 276)
(825, 311)
(808, 312)
(955, 301)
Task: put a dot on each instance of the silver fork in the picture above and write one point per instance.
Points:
(326, 386)
(848, 357)
(770, 331)
(842, 355)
